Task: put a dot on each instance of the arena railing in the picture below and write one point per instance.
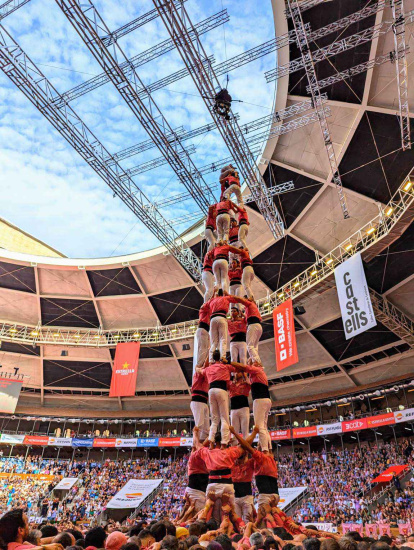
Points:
(369, 240)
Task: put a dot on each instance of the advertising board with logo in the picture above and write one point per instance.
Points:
(104, 442)
(407, 415)
(285, 337)
(82, 441)
(66, 483)
(147, 442)
(12, 439)
(60, 441)
(326, 429)
(277, 435)
(288, 494)
(354, 425)
(380, 420)
(309, 431)
(132, 442)
(133, 493)
(36, 440)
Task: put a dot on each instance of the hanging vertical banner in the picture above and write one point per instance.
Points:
(124, 374)
(354, 299)
(285, 338)
(9, 394)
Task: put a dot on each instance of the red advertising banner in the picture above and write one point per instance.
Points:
(277, 435)
(354, 425)
(387, 474)
(124, 374)
(380, 420)
(309, 431)
(169, 441)
(36, 440)
(285, 338)
(102, 442)
(41, 477)
(9, 394)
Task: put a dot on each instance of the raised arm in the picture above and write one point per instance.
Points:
(244, 444)
(234, 249)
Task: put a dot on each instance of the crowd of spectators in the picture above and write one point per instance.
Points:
(338, 481)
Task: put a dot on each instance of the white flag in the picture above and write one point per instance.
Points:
(354, 299)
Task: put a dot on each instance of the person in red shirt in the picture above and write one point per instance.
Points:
(230, 183)
(234, 232)
(247, 273)
(219, 462)
(197, 475)
(237, 326)
(207, 276)
(221, 264)
(254, 328)
(242, 475)
(199, 403)
(235, 275)
(243, 227)
(217, 374)
(239, 390)
(202, 337)
(261, 402)
(223, 219)
(210, 231)
(219, 306)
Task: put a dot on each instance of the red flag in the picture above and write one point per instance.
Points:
(124, 373)
(285, 338)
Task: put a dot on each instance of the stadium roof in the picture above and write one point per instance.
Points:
(56, 300)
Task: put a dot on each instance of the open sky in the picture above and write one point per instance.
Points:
(47, 189)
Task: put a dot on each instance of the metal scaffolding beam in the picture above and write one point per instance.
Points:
(391, 317)
(356, 69)
(86, 20)
(30, 80)
(257, 124)
(333, 49)
(307, 5)
(193, 54)
(131, 26)
(308, 63)
(401, 70)
(144, 57)
(155, 163)
(8, 7)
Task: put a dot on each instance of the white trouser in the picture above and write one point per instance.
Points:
(244, 508)
(201, 415)
(223, 227)
(243, 232)
(210, 238)
(201, 347)
(219, 409)
(221, 274)
(240, 420)
(197, 497)
(218, 336)
(234, 188)
(265, 498)
(253, 334)
(261, 408)
(236, 290)
(238, 352)
(220, 488)
(208, 281)
(247, 279)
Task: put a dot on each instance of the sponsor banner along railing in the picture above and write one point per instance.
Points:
(370, 422)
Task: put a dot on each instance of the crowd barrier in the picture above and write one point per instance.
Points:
(347, 426)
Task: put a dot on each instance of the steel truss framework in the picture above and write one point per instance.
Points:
(392, 318)
(146, 56)
(8, 7)
(88, 23)
(35, 86)
(308, 64)
(154, 163)
(369, 240)
(194, 56)
(401, 70)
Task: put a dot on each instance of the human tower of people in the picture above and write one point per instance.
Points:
(220, 472)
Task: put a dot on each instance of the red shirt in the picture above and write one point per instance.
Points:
(237, 326)
(243, 216)
(200, 382)
(220, 304)
(239, 388)
(208, 261)
(251, 309)
(220, 251)
(220, 459)
(223, 207)
(211, 217)
(218, 371)
(204, 313)
(245, 258)
(234, 234)
(235, 274)
(196, 464)
(243, 473)
(257, 374)
(264, 464)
